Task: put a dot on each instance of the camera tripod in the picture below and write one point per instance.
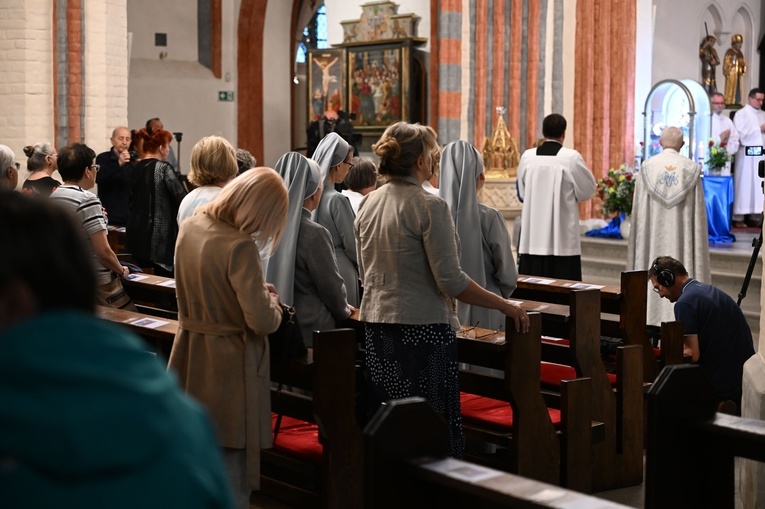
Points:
(756, 243)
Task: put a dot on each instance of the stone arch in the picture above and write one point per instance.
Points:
(715, 20)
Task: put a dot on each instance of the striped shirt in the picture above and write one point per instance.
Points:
(87, 209)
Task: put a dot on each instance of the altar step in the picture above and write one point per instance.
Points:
(604, 259)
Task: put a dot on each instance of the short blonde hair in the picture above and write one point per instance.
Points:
(213, 160)
(255, 202)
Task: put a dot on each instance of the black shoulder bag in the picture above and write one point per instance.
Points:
(286, 343)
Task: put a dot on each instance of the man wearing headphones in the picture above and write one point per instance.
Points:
(717, 336)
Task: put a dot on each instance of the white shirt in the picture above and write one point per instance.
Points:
(196, 198)
(353, 197)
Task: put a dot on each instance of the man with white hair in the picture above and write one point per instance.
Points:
(9, 178)
(669, 217)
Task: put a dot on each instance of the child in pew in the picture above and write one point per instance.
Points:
(89, 418)
(225, 313)
(303, 267)
(361, 180)
(409, 262)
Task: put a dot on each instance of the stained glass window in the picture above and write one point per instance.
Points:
(314, 34)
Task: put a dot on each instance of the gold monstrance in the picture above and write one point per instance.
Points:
(500, 153)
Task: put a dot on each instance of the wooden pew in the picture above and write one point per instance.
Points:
(691, 449)
(159, 338)
(152, 293)
(329, 373)
(624, 309)
(536, 449)
(410, 470)
(117, 238)
(618, 459)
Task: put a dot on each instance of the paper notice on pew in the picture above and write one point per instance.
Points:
(170, 283)
(137, 277)
(537, 281)
(149, 323)
(462, 470)
(583, 286)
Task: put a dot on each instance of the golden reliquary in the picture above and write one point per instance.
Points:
(500, 152)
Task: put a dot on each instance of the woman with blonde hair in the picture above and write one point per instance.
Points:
(213, 165)
(303, 267)
(155, 195)
(225, 313)
(41, 163)
(486, 255)
(335, 213)
(410, 267)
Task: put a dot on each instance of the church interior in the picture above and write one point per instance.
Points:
(271, 76)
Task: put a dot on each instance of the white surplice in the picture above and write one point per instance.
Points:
(747, 193)
(669, 218)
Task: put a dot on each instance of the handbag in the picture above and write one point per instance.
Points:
(287, 342)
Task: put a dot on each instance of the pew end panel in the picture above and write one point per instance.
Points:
(412, 472)
(690, 448)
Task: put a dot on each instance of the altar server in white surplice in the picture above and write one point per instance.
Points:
(747, 194)
(552, 180)
(669, 218)
(486, 255)
(723, 129)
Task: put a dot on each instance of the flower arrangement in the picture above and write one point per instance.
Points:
(718, 154)
(617, 190)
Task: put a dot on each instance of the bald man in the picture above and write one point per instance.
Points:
(112, 178)
(669, 217)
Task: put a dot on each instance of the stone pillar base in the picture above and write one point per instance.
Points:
(752, 473)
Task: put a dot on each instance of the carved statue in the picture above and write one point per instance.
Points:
(709, 63)
(734, 69)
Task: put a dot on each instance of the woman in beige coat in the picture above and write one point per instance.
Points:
(225, 312)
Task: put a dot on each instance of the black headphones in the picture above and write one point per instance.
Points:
(664, 277)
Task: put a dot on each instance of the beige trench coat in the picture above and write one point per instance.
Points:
(225, 313)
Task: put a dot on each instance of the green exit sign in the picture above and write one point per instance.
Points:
(226, 96)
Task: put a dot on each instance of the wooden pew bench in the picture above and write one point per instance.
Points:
(691, 449)
(617, 400)
(316, 459)
(159, 336)
(623, 316)
(545, 438)
(411, 470)
(154, 295)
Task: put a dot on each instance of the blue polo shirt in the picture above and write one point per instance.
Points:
(725, 341)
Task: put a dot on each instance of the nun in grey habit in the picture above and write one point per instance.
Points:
(303, 268)
(486, 255)
(335, 212)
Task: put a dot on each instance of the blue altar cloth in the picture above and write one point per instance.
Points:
(611, 231)
(718, 194)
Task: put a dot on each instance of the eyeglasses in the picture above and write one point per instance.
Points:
(656, 289)
(95, 167)
(350, 165)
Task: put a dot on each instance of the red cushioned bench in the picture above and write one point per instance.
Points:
(548, 444)
(316, 459)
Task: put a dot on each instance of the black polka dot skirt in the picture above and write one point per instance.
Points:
(417, 360)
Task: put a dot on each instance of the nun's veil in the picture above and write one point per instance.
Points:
(331, 151)
(301, 175)
(461, 165)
